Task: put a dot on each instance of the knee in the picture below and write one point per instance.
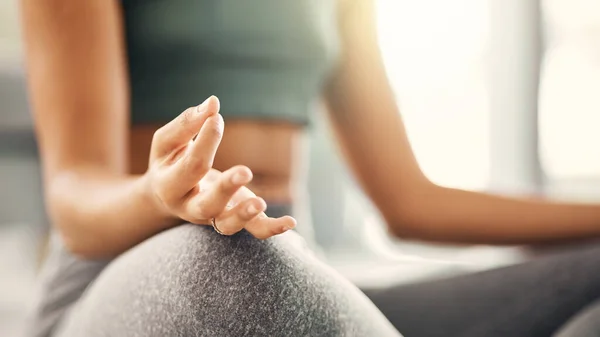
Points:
(239, 285)
(197, 280)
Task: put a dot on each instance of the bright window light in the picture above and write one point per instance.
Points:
(434, 52)
(569, 101)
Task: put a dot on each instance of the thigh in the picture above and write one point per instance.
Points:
(190, 281)
(530, 299)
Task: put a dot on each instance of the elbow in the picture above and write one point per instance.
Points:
(406, 228)
(83, 248)
(70, 236)
(68, 222)
(77, 244)
(419, 228)
(413, 216)
(73, 244)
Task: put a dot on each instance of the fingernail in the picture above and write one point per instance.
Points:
(238, 178)
(252, 209)
(291, 225)
(286, 228)
(202, 107)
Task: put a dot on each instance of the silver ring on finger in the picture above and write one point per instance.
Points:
(213, 223)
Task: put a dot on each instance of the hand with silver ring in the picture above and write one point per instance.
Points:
(182, 183)
(213, 223)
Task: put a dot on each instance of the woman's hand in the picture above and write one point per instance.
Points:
(181, 181)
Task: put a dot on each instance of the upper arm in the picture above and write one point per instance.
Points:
(77, 83)
(360, 55)
(364, 114)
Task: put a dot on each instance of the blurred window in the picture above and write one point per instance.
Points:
(434, 51)
(570, 91)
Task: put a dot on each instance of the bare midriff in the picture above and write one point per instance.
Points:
(269, 149)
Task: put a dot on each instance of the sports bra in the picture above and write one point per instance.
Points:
(264, 59)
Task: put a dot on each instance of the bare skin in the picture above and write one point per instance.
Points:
(97, 189)
(269, 150)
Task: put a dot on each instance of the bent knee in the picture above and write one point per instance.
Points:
(240, 286)
(190, 279)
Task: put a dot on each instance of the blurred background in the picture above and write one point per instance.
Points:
(497, 95)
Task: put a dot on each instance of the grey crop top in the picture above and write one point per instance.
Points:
(264, 59)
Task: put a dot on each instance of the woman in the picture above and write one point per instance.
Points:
(106, 76)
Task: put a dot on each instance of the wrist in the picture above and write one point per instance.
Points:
(154, 206)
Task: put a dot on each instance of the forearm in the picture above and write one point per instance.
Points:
(102, 216)
(371, 133)
(451, 215)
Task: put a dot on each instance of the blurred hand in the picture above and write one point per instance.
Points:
(181, 180)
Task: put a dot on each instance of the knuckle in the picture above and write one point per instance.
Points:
(206, 210)
(224, 186)
(186, 117)
(245, 216)
(159, 135)
(197, 164)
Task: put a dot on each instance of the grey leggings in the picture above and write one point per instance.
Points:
(531, 299)
(190, 281)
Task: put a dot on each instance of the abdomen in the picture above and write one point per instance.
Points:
(273, 151)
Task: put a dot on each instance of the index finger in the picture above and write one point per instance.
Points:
(179, 131)
(263, 227)
(198, 159)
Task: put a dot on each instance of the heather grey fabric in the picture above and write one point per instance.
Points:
(190, 281)
(61, 282)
